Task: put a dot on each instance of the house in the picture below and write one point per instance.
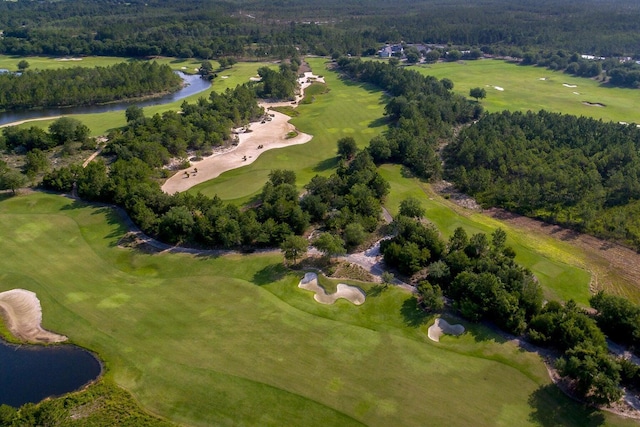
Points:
(391, 50)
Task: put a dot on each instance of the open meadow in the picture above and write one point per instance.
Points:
(521, 88)
(232, 340)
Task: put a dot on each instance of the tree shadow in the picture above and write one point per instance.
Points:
(380, 121)
(413, 315)
(269, 274)
(326, 164)
(376, 290)
(551, 407)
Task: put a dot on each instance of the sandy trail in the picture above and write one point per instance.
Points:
(30, 120)
(441, 327)
(350, 293)
(270, 135)
(23, 316)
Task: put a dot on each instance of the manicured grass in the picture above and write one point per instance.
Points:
(348, 109)
(231, 340)
(557, 265)
(524, 90)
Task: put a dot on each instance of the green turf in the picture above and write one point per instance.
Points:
(231, 340)
(348, 109)
(523, 89)
(556, 264)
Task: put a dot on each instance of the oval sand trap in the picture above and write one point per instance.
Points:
(23, 316)
(441, 327)
(350, 293)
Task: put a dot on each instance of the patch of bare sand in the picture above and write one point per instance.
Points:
(350, 293)
(441, 327)
(267, 134)
(19, 122)
(23, 316)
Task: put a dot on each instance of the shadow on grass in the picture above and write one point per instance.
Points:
(551, 407)
(269, 274)
(413, 315)
(326, 164)
(380, 121)
(376, 290)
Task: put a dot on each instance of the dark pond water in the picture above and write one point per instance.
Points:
(30, 373)
(194, 84)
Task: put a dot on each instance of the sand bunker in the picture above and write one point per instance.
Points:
(498, 88)
(23, 316)
(255, 79)
(441, 327)
(263, 136)
(576, 93)
(568, 85)
(350, 293)
(224, 77)
(542, 78)
(593, 104)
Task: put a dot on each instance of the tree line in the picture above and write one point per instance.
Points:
(85, 86)
(422, 110)
(575, 171)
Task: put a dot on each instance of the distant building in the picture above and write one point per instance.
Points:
(391, 50)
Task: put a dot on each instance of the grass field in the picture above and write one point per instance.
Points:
(524, 90)
(558, 266)
(231, 340)
(348, 109)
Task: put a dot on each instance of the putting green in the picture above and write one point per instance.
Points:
(232, 340)
(536, 88)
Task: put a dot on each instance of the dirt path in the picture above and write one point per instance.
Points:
(263, 136)
(19, 122)
(614, 267)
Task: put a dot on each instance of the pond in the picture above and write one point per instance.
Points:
(193, 84)
(30, 373)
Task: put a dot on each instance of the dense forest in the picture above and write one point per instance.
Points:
(575, 171)
(257, 28)
(85, 86)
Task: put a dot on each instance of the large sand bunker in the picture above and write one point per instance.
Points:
(441, 327)
(23, 316)
(350, 293)
(263, 136)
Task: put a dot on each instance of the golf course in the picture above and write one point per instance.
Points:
(232, 339)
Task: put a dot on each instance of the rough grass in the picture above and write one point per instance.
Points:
(558, 265)
(523, 89)
(348, 109)
(231, 340)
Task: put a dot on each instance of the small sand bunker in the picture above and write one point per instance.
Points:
(542, 78)
(23, 316)
(224, 77)
(350, 293)
(441, 327)
(593, 104)
(255, 78)
(568, 85)
(576, 93)
(498, 88)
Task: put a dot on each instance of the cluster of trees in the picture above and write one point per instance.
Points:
(85, 86)
(422, 108)
(280, 84)
(576, 171)
(206, 30)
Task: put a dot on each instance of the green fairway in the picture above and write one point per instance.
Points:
(231, 340)
(558, 266)
(348, 109)
(524, 89)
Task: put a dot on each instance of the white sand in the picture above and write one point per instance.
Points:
(568, 85)
(224, 77)
(498, 88)
(542, 78)
(255, 79)
(441, 327)
(69, 59)
(23, 316)
(19, 122)
(576, 93)
(350, 293)
(270, 134)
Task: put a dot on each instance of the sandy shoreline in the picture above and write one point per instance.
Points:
(270, 135)
(22, 313)
(38, 119)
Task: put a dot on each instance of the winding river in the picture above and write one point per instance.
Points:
(193, 84)
(30, 373)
